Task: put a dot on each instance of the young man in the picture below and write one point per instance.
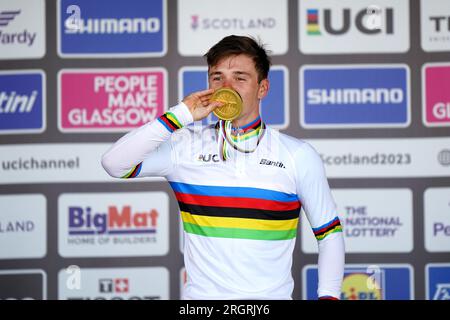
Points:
(240, 186)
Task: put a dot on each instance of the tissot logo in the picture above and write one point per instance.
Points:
(119, 285)
(208, 157)
(435, 25)
(440, 23)
(272, 163)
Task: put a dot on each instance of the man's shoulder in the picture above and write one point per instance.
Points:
(295, 146)
(292, 143)
(192, 133)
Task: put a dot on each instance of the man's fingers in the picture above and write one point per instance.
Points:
(214, 104)
(207, 92)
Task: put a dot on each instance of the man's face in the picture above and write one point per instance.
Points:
(238, 72)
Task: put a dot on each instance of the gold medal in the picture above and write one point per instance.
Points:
(232, 107)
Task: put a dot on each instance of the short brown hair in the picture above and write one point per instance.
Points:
(235, 45)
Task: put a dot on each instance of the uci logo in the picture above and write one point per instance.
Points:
(368, 21)
(208, 157)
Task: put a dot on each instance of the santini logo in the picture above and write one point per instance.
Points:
(272, 163)
(10, 102)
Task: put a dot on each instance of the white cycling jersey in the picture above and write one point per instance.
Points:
(240, 215)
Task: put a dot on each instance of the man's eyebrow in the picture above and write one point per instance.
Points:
(242, 73)
(214, 73)
(234, 72)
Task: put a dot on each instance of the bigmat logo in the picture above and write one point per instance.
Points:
(22, 29)
(103, 28)
(436, 94)
(202, 23)
(366, 282)
(113, 224)
(22, 101)
(437, 281)
(115, 284)
(110, 99)
(334, 27)
(23, 284)
(354, 96)
(274, 107)
(435, 25)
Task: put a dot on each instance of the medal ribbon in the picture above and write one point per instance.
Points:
(227, 139)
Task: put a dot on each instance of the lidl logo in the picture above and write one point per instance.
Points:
(366, 282)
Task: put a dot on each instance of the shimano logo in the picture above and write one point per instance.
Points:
(278, 164)
(10, 102)
(208, 157)
(355, 96)
(114, 26)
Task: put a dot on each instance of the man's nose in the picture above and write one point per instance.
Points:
(227, 83)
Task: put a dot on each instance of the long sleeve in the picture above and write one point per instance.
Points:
(146, 151)
(320, 209)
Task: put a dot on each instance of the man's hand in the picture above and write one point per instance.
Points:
(199, 104)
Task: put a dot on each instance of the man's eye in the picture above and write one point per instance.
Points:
(216, 78)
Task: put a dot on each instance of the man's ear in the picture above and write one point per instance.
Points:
(264, 86)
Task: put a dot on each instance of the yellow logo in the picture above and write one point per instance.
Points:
(361, 286)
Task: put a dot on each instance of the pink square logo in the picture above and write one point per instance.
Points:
(110, 100)
(436, 94)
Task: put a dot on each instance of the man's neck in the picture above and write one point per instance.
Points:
(245, 120)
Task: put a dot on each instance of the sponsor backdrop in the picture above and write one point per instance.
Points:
(366, 82)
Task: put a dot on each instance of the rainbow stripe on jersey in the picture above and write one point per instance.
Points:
(328, 228)
(237, 212)
(170, 122)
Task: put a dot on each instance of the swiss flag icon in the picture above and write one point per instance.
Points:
(121, 285)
